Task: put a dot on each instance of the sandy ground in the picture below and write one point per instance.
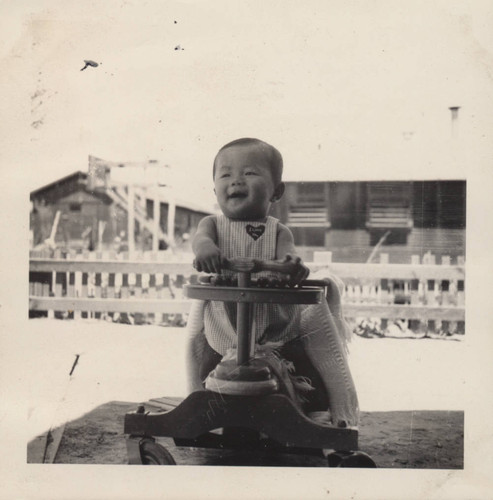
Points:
(136, 363)
(397, 440)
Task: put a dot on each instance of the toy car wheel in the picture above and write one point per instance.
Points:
(155, 454)
(350, 459)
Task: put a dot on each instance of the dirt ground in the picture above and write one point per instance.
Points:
(394, 439)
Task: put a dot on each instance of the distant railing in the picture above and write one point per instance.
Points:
(146, 288)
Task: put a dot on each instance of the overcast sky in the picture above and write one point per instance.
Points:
(345, 90)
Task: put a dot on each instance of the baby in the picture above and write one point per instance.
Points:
(247, 180)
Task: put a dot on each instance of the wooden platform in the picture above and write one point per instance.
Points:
(395, 439)
(270, 422)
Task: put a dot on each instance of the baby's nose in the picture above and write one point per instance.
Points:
(237, 181)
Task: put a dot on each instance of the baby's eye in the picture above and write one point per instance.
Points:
(222, 176)
(250, 172)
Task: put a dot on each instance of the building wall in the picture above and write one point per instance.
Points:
(347, 202)
(435, 203)
(81, 211)
(438, 211)
(354, 245)
(439, 204)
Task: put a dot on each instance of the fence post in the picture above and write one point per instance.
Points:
(60, 290)
(386, 294)
(71, 291)
(152, 293)
(167, 292)
(461, 327)
(446, 326)
(137, 292)
(97, 291)
(179, 282)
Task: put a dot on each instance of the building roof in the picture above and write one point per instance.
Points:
(79, 177)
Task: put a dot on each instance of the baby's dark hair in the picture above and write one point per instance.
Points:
(273, 155)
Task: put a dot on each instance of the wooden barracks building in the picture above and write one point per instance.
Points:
(89, 210)
(360, 214)
(84, 214)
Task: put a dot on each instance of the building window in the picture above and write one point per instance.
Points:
(75, 207)
(307, 205)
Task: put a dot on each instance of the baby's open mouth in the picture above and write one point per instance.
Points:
(237, 195)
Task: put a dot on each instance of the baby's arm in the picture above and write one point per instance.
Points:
(204, 245)
(286, 251)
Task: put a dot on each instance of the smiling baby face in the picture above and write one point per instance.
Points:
(244, 183)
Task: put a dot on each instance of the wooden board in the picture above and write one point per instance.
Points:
(177, 306)
(340, 269)
(203, 411)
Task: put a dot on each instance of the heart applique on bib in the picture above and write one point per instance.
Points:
(255, 231)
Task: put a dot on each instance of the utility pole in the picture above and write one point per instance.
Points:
(454, 125)
(455, 118)
(131, 218)
(156, 219)
(171, 218)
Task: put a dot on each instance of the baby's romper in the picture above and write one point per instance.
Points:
(272, 322)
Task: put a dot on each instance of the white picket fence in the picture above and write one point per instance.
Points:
(149, 287)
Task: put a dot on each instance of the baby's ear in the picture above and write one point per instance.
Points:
(278, 192)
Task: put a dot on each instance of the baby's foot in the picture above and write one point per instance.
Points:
(321, 417)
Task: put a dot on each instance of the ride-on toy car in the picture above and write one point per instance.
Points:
(241, 406)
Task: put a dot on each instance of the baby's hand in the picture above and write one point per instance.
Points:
(209, 260)
(301, 271)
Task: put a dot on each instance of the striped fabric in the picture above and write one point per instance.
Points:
(323, 339)
(272, 322)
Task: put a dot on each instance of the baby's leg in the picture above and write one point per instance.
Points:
(195, 345)
(325, 350)
(201, 360)
(195, 348)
